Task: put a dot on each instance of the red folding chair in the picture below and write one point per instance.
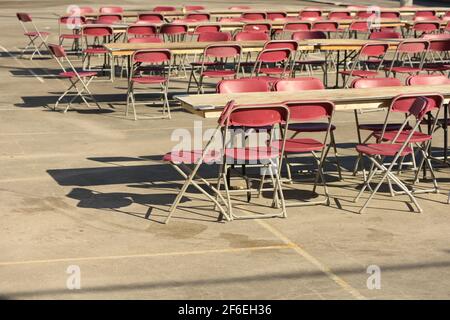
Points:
(356, 28)
(216, 63)
(370, 55)
(174, 32)
(242, 85)
(150, 68)
(273, 63)
(310, 14)
(397, 144)
(394, 15)
(425, 14)
(438, 54)
(254, 15)
(33, 36)
(404, 55)
(188, 162)
(79, 80)
(140, 30)
(365, 83)
(420, 28)
(74, 24)
(262, 118)
(151, 17)
(326, 26)
(99, 35)
(305, 112)
(111, 10)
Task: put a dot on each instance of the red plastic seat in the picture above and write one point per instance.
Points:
(151, 17)
(427, 80)
(79, 80)
(251, 36)
(340, 15)
(36, 33)
(387, 150)
(82, 74)
(401, 137)
(279, 58)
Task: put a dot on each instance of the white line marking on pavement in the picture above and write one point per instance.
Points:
(20, 62)
(327, 271)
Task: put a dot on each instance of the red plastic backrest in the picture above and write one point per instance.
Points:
(297, 26)
(57, 50)
(427, 13)
(374, 50)
(339, 15)
(428, 26)
(413, 46)
(199, 16)
(72, 20)
(384, 35)
(359, 26)
(365, 14)
(111, 10)
(109, 18)
(310, 13)
(305, 35)
(299, 84)
(222, 51)
(258, 115)
(274, 55)
(24, 17)
(417, 105)
(254, 15)
(152, 56)
(145, 40)
(242, 85)
(174, 28)
(256, 27)
(151, 17)
(325, 26)
(97, 31)
(164, 8)
(310, 110)
(375, 83)
(390, 14)
(230, 20)
(207, 28)
(142, 30)
(423, 79)
(440, 45)
(214, 36)
(251, 36)
(276, 15)
(277, 44)
(194, 8)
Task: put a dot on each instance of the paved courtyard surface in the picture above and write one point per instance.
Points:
(86, 191)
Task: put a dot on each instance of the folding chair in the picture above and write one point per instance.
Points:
(273, 62)
(150, 67)
(276, 15)
(438, 57)
(216, 64)
(201, 17)
(310, 14)
(309, 83)
(100, 34)
(416, 106)
(305, 112)
(340, 15)
(238, 149)
(408, 49)
(372, 127)
(33, 36)
(371, 54)
(420, 28)
(75, 77)
(254, 15)
(73, 23)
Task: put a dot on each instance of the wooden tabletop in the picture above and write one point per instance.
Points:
(211, 105)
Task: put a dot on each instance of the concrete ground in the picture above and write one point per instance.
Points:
(85, 191)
